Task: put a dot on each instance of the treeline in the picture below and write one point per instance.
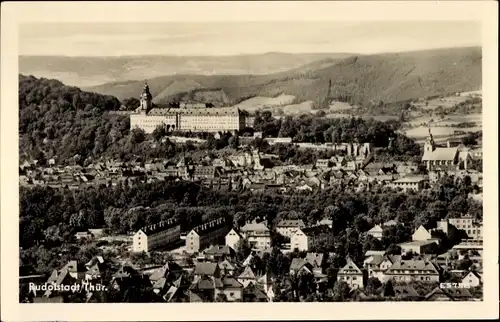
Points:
(314, 129)
(64, 122)
(49, 217)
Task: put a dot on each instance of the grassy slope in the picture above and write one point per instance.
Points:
(387, 77)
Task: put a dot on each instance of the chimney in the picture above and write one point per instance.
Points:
(447, 143)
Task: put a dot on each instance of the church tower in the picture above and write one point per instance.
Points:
(429, 145)
(146, 99)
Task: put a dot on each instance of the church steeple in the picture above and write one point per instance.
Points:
(429, 145)
(146, 98)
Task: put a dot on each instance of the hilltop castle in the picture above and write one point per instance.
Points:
(207, 119)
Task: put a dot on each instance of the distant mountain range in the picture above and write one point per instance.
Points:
(89, 71)
(388, 77)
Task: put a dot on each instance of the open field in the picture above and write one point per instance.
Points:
(258, 102)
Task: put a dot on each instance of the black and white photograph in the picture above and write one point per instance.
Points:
(211, 161)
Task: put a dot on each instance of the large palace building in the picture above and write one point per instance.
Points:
(207, 119)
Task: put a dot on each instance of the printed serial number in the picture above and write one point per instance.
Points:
(454, 285)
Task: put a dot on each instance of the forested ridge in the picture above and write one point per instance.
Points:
(63, 122)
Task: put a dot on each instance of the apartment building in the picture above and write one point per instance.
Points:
(209, 233)
(156, 236)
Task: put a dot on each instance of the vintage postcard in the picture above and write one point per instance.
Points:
(309, 158)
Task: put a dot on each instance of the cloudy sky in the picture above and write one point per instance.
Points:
(107, 39)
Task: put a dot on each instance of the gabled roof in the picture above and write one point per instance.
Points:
(298, 263)
(226, 265)
(291, 223)
(228, 282)
(219, 250)
(267, 278)
(441, 154)
(316, 230)
(413, 265)
(71, 266)
(376, 229)
(315, 259)
(125, 271)
(473, 273)
(234, 231)
(254, 227)
(374, 252)
(456, 294)
(210, 226)
(170, 293)
(158, 227)
(204, 283)
(160, 284)
(205, 269)
(375, 259)
(247, 274)
(350, 268)
(94, 270)
(405, 291)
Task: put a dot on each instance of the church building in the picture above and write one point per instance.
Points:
(444, 158)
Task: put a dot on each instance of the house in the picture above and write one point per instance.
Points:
(325, 221)
(472, 279)
(162, 234)
(166, 271)
(229, 288)
(289, 227)
(300, 265)
(178, 291)
(351, 274)
(419, 247)
(247, 277)
(316, 261)
(75, 270)
(218, 252)
(323, 163)
(390, 223)
(233, 238)
(95, 268)
(206, 234)
(84, 235)
(406, 292)
(226, 267)
(421, 234)
(257, 235)
(97, 232)
(449, 294)
(202, 289)
(413, 270)
(415, 183)
(376, 232)
(267, 282)
(377, 264)
(306, 238)
(255, 293)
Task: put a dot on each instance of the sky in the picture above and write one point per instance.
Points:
(232, 38)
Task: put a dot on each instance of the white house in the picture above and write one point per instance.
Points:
(421, 234)
(472, 279)
(289, 227)
(232, 239)
(376, 232)
(351, 274)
